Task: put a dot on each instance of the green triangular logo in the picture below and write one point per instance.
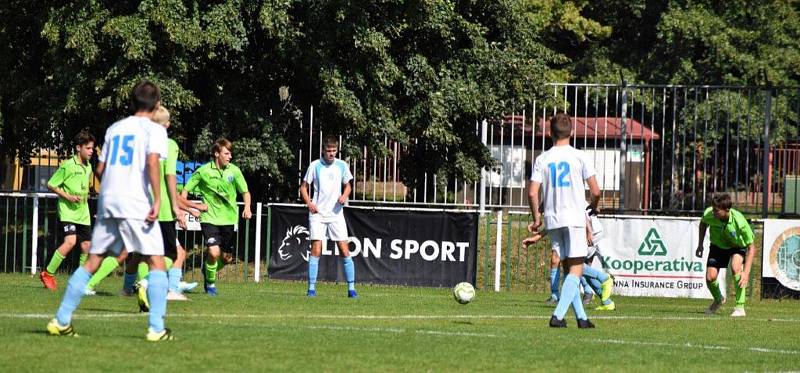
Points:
(652, 244)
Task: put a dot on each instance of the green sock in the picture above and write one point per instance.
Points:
(142, 270)
(83, 259)
(740, 292)
(55, 262)
(168, 263)
(108, 265)
(713, 286)
(211, 272)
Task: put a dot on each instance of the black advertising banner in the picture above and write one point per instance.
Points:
(399, 247)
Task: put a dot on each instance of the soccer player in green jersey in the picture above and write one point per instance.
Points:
(71, 183)
(218, 182)
(731, 241)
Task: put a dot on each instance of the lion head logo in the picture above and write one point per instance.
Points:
(295, 244)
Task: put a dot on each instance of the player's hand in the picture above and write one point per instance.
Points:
(180, 216)
(589, 240)
(152, 215)
(202, 207)
(699, 252)
(744, 279)
(530, 241)
(247, 214)
(592, 211)
(194, 212)
(312, 208)
(342, 199)
(537, 223)
(73, 199)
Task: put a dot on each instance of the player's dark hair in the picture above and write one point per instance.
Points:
(83, 138)
(560, 126)
(221, 143)
(145, 97)
(722, 201)
(330, 141)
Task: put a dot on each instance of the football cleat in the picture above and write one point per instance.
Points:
(185, 287)
(738, 311)
(587, 298)
(352, 294)
(556, 323)
(605, 289)
(164, 335)
(552, 301)
(48, 280)
(211, 290)
(89, 291)
(141, 296)
(606, 307)
(171, 295)
(712, 309)
(311, 293)
(56, 329)
(585, 324)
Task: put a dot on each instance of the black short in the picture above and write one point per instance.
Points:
(219, 235)
(168, 235)
(84, 232)
(719, 257)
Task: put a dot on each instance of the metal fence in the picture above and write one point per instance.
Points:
(657, 149)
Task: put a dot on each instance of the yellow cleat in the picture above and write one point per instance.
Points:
(607, 307)
(141, 292)
(164, 335)
(56, 329)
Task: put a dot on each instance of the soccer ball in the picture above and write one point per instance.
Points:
(464, 292)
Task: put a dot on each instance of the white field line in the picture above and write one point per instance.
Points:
(397, 330)
(693, 346)
(388, 317)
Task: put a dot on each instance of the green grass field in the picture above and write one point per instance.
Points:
(274, 327)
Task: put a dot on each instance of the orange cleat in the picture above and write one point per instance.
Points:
(48, 280)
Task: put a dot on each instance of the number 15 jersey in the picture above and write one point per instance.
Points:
(562, 170)
(125, 187)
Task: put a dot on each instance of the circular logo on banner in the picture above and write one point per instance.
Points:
(784, 258)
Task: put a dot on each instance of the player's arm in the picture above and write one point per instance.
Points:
(702, 235)
(247, 213)
(594, 192)
(172, 191)
(345, 193)
(533, 202)
(533, 239)
(101, 166)
(306, 199)
(191, 207)
(747, 232)
(55, 183)
(153, 176)
(589, 229)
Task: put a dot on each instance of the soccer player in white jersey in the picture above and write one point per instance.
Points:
(127, 209)
(325, 212)
(560, 173)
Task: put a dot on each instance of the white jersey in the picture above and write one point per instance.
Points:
(328, 180)
(125, 188)
(562, 171)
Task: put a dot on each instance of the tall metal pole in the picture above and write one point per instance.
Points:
(623, 158)
(766, 170)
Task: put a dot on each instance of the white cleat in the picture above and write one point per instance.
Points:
(185, 287)
(89, 291)
(738, 311)
(171, 295)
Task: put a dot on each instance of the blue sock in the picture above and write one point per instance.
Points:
(577, 306)
(590, 272)
(554, 275)
(72, 297)
(313, 269)
(130, 280)
(174, 279)
(350, 273)
(157, 295)
(569, 292)
(586, 288)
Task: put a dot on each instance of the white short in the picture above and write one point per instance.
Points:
(334, 230)
(110, 235)
(569, 242)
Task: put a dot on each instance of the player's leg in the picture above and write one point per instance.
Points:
(717, 258)
(555, 271)
(721, 279)
(588, 293)
(601, 284)
(84, 237)
(213, 240)
(183, 287)
(108, 265)
(737, 265)
(313, 267)
(131, 264)
(174, 273)
(157, 296)
(337, 231)
(573, 250)
(68, 242)
(106, 237)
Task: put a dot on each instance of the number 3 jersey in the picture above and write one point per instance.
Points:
(562, 171)
(125, 187)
